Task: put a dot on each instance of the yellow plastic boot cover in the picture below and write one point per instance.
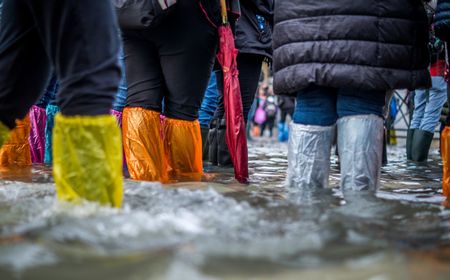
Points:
(144, 149)
(445, 151)
(16, 148)
(4, 134)
(183, 145)
(87, 159)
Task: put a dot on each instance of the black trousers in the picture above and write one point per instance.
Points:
(77, 37)
(168, 67)
(285, 113)
(249, 66)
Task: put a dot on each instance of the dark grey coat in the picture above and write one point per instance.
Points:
(364, 44)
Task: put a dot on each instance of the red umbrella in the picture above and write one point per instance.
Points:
(235, 135)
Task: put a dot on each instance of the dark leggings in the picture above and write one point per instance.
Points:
(168, 67)
(285, 113)
(249, 66)
(78, 39)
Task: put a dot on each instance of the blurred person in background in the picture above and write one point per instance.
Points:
(442, 31)
(254, 43)
(428, 103)
(286, 105)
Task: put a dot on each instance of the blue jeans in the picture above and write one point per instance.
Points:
(323, 106)
(121, 96)
(428, 105)
(209, 103)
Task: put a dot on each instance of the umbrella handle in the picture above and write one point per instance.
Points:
(223, 10)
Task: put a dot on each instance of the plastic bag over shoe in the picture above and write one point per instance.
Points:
(183, 145)
(144, 148)
(309, 155)
(87, 159)
(16, 149)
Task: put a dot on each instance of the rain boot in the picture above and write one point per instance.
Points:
(87, 159)
(360, 144)
(409, 141)
(385, 140)
(223, 154)
(212, 142)
(445, 152)
(421, 145)
(309, 155)
(205, 144)
(183, 146)
(143, 144)
(281, 128)
(16, 149)
(50, 111)
(38, 120)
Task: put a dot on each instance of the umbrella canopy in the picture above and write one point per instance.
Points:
(235, 135)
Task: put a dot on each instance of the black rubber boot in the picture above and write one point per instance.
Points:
(205, 144)
(385, 158)
(212, 142)
(421, 145)
(223, 155)
(409, 141)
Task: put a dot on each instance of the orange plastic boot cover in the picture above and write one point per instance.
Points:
(183, 145)
(144, 149)
(16, 150)
(445, 151)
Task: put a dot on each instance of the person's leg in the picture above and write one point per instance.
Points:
(143, 143)
(249, 67)
(38, 120)
(23, 73)
(51, 110)
(271, 124)
(423, 136)
(360, 137)
(81, 41)
(206, 114)
(20, 47)
(311, 137)
(209, 103)
(187, 52)
(420, 101)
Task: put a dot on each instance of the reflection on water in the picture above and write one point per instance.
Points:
(218, 229)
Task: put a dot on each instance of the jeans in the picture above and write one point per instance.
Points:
(428, 105)
(49, 96)
(119, 102)
(77, 38)
(322, 106)
(209, 104)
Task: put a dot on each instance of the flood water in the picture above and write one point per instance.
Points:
(218, 229)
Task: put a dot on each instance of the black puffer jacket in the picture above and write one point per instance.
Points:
(371, 44)
(252, 36)
(442, 20)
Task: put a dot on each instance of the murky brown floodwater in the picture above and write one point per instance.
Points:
(218, 229)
